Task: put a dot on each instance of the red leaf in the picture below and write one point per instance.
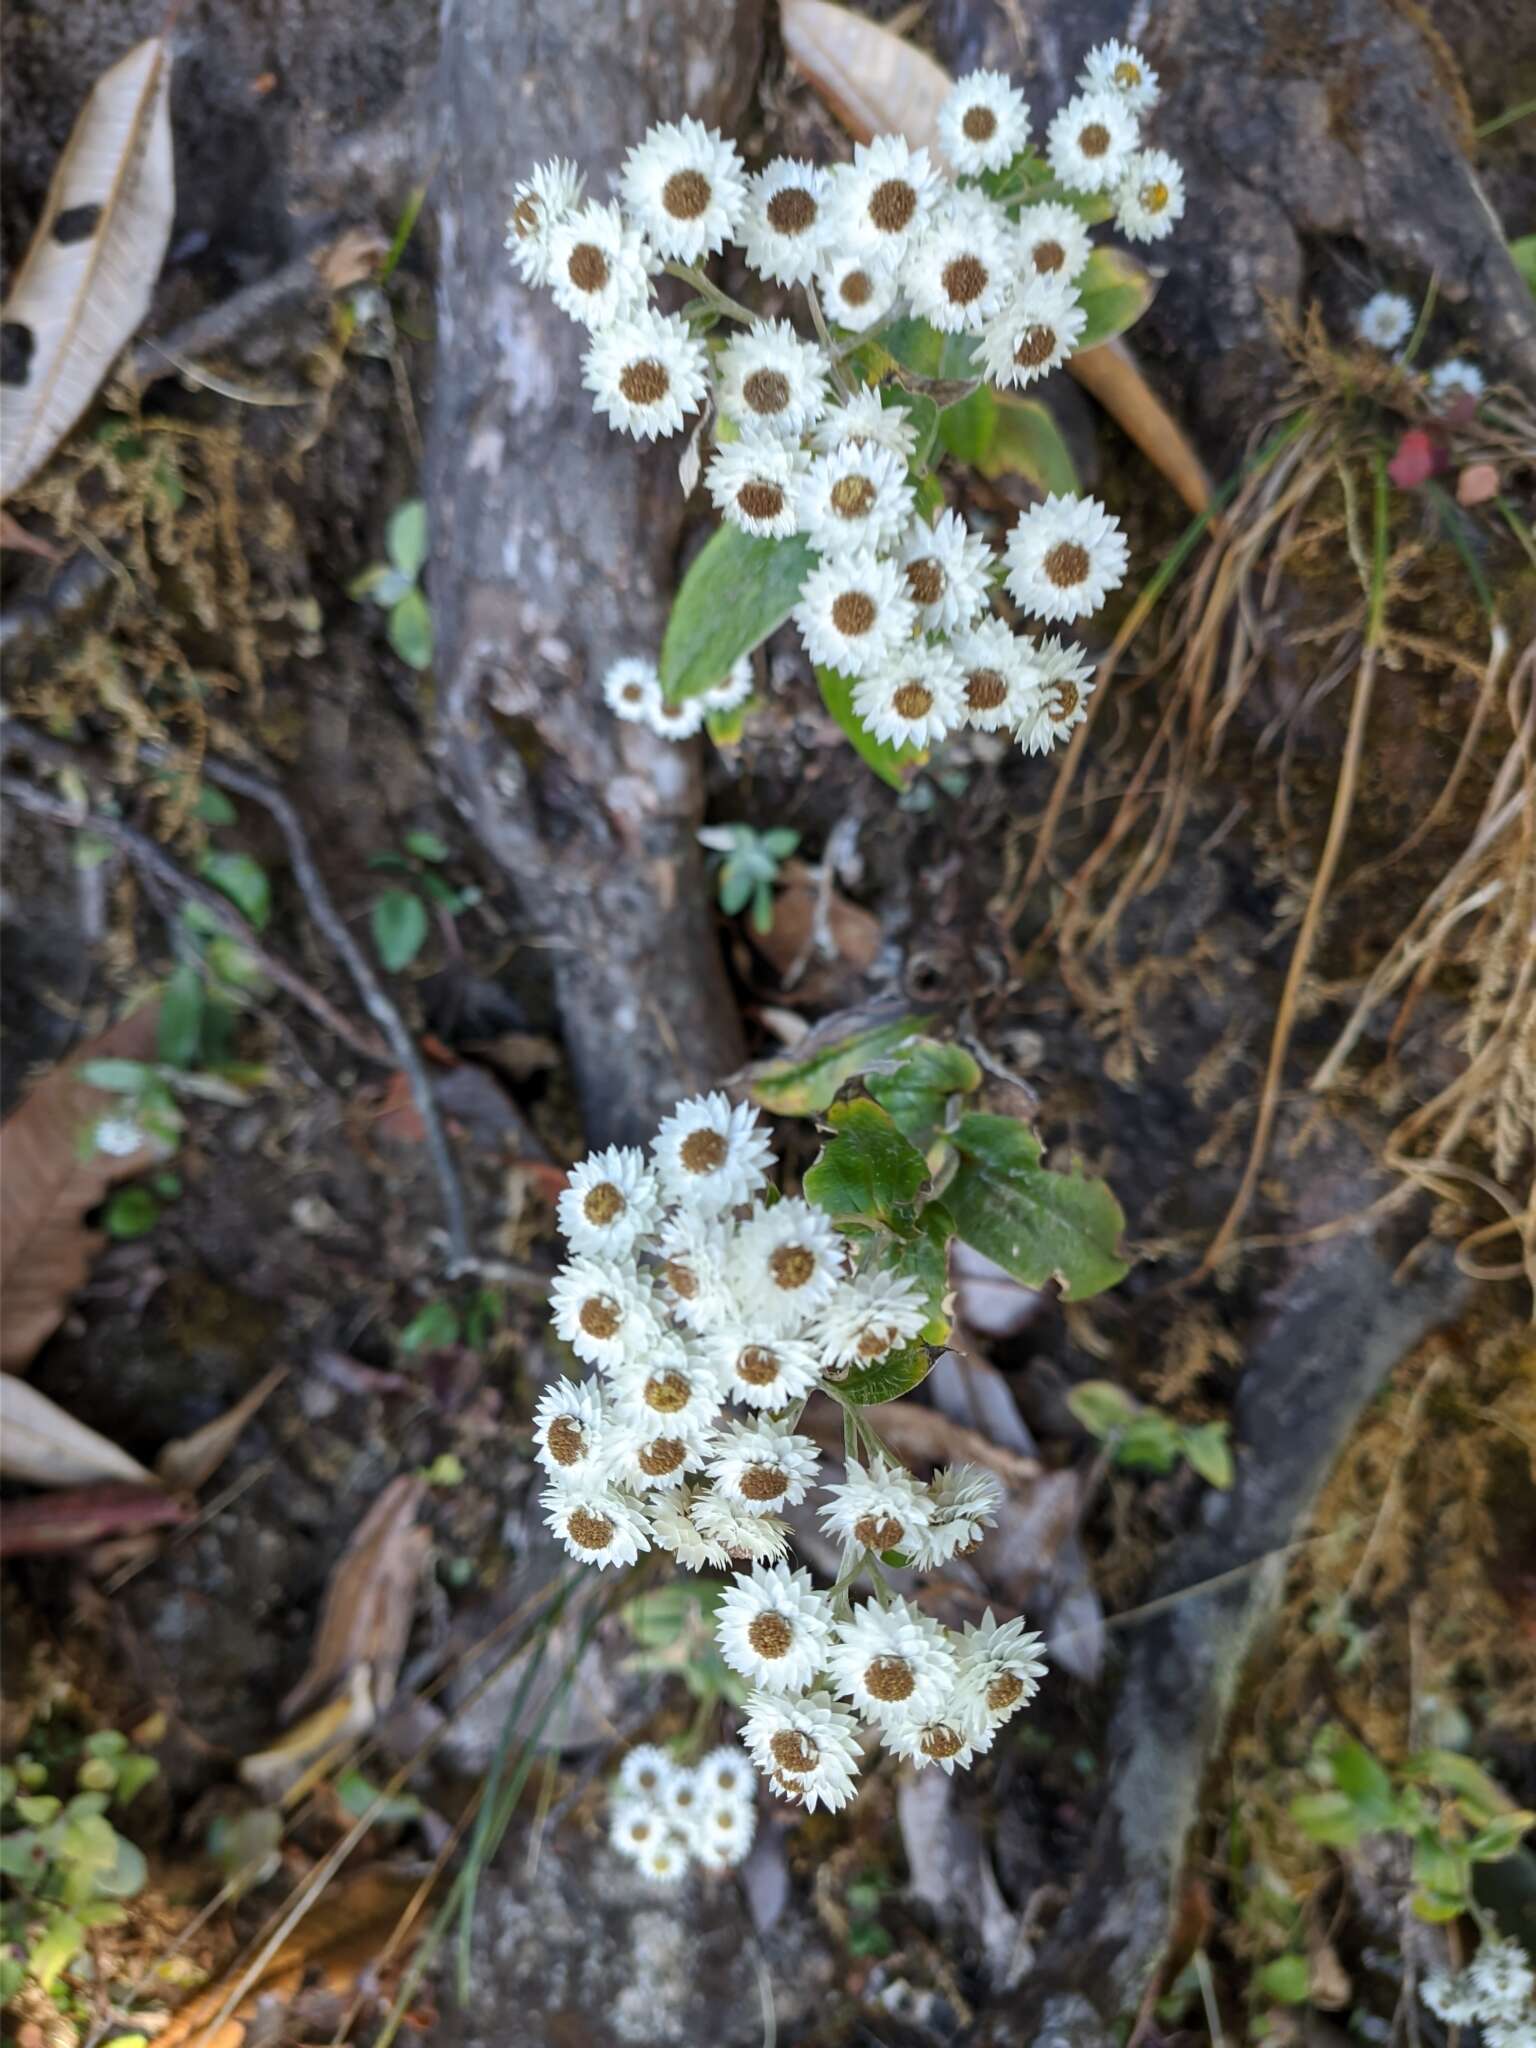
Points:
(56, 1522)
(1419, 457)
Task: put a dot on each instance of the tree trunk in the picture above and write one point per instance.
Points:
(555, 543)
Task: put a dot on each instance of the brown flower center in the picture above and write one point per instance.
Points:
(985, 689)
(600, 1317)
(889, 1679)
(852, 496)
(602, 1203)
(913, 700)
(965, 280)
(645, 382)
(794, 1752)
(592, 1532)
(875, 1343)
(686, 194)
(640, 1830)
(764, 1482)
(979, 124)
(661, 1456)
(587, 267)
(892, 206)
(1034, 347)
(791, 1266)
(1003, 1691)
(853, 613)
(791, 211)
(683, 1796)
(703, 1151)
(759, 501)
(941, 1741)
(1154, 197)
(856, 289)
(648, 1779)
(770, 1634)
(567, 1445)
(667, 1392)
(1127, 74)
(1065, 698)
(926, 579)
(879, 1532)
(525, 217)
(757, 1366)
(682, 1280)
(1094, 140)
(766, 391)
(1049, 256)
(1066, 564)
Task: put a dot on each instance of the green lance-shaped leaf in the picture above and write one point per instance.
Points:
(804, 1082)
(868, 1168)
(243, 881)
(399, 920)
(1035, 1224)
(917, 1092)
(1115, 291)
(738, 591)
(895, 765)
(405, 537)
(887, 1380)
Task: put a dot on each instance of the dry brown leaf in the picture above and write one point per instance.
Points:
(46, 1187)
(1111, 375)
(43, 1446)
(52, 1524)
(188, 1462)
(14, 535)
(854, 932)
(288, 1770)
(88, 277)
(355, 255)
(366, 1615)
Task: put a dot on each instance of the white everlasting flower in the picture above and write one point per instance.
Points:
(711, 1154)
(609, 1201)
(856, 497)
(1451, 1998)
(1090, 140)
(570, 1430)
(1455, 379)
(808, 1747)
(1035, 332)
(1000, 1666)
(722, 1832)
(858, 291)
(665, 1863)
(950, 1735)
(771, 380)
(1119, 68)
(983, 124)
(675, 722)
(734, 691)
(1064, 558)
(854, 612)
(1384, 320)
(686, 188)
(674, 1530)
(646, 373)
(539, 205)
(1000, 681)
(958, 269)
(1066, 684)
(632, 689)
(1054, 240)
(863, 419)
(1503, 2032)
(599, 266)
(761, 1539)
(671, 1383)
(869, 1316)
(118, 1137)
(695, 1272)
(635, 1826)
(604, 1310)
(963, 1503)
(914, 698)
(885, 196)
(785, 1263)
(882, 1508)
(1502, 1978)
(755, 483)
(597, 1524)
(892, 1662)
(762, 1465)
(1149, 199)
(645, 1775)
(683, 1800)
(784, 225)
(774, 1627)
(949, 572)
(764, 1372)
(725, 1773)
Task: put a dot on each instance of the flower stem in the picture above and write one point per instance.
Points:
(823, 335)
(708, 289)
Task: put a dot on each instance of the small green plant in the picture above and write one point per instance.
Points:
(400, 917)
(395, 585)
(1143, 1439)
(439, 1325)
(749, 863)
(67, 1868)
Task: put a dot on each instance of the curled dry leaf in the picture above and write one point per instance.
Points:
(53, 1524)
(190, 1461)
(366, 1616)
(88, 277)
(42, 1445)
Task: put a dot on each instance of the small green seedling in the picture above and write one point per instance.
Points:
(749, 867)
(395, 585)
(401, 918)
(1143, 1439)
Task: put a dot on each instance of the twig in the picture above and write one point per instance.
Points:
(819, 322)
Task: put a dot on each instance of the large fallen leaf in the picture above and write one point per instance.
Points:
(190, 1461)
(366, 1615)
(42, 1445)
(86, 283)
(48, 1180)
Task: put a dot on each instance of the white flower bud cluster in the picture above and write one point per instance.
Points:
(1494, 1992)
(898, 601)
(1386, 320)
(712, 1312)
(666, 1819)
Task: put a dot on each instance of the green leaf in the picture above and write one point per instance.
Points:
(1148, 1443)
(433, 1328)
(130, 1212)
(869, 1168)
(1439, 1867)
(37, 1809)
(115, 1077)
(1327, 1817)
(1480, 1796)
(1035, 1224)
(1102, 1407)
(1285, 1980)
(1027, 442)
(1500, 1838)
(1115, 291)
(133, 1774)
(1364, 1783)
(126, 1877)
(916, 1094)
(736, 887)
(436, 890)
(410, 630)
(803, 1084)
(888, 1379)
(426, 846)
(405, 537)
(657, 1619)
(725, 728)
(968, 429)
(243, 881)
(915, 345)
(213, 807)
(55, 1949)
(894, 765)
(1524, 252)
(1208, 1451)
(179, 1030)
(924, 416)
(1437, 1907)
(399, 921)
(925, 1259)
(739, 589)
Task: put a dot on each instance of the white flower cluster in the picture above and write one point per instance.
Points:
(1386, 319)
(897, 602)
(664, 1818)
(712, 1311)
(1494, 1992)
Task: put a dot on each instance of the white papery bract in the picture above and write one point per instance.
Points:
(733, 692)
(645, 1775)
(666, 1862)
(1090, 141)
(1149, 200)
(854, 612)
(808, 1747)
(635, 1826)
(859, 291)
(856, 497)
(631, 688)
(784, 222)
(762, 1465)
(885, 196)
(647, 1455)
(694, 1249)
(878, 1509)
(597, 1524)
(726, 1774)
(539, 204)
(1455, 379)
(755, 484)
(673, 1529)
(1053, 240)
(1384, 320)
(763, 1372)
(1064, 557)
(610, 1200)
(1000, 1666)
(892, 1662)
(757, 1538)
(603, 1309)
(711, 1154)
(999, 679)
(951, 1735)
(722, 1832)
(983, 123)
(958, 269)
(676, 722)
(1500, 1973)
(862, 419)
(869, 1316)
(1061, 703)
(686, 189)
(1120, 68)
(914, 698)
(785, 1263)
(673, 1382)
(646, 373)
(949, 572)
(772, 381)
(1035, 332)
(963, 1502)
(571, 1430)
(774, 1627)
(600, 268)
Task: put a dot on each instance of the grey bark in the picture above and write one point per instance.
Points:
(555, 544)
